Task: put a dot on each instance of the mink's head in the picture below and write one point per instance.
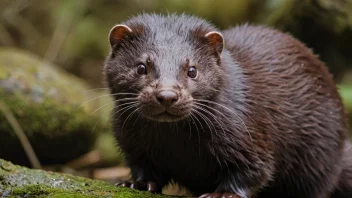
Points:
(164, 65)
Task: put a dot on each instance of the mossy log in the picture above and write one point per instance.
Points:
(45, 101)
(17, 181)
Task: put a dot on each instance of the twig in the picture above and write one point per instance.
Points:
(87, 159)
(119, 173)
(21, 136)
(11, 15)
(58, 38)
(63, 28)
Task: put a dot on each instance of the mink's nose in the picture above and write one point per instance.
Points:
(167, 97)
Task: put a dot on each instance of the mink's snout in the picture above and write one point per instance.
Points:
(165, 103)
(167, 97)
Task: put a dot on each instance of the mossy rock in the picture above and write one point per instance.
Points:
(17, 181)
(45, 99)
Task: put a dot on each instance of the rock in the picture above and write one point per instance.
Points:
(45, 101)
(17, 181)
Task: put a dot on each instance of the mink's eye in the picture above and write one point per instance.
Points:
(141, 69)
(192, 72)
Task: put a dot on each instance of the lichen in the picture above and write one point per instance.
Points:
(19, 181)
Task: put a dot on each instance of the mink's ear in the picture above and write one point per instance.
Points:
(117, 33)
(215, 40)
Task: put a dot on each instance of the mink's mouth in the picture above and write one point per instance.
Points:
(166, 116)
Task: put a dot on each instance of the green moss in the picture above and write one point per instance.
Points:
(20, 181)
(47, 191)
(33, 190)
(69, 195)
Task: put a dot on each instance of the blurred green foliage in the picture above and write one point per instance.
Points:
(73, 34)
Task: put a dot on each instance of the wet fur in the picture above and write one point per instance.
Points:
(286, 135)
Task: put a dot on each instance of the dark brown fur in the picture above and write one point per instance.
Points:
(280, 131)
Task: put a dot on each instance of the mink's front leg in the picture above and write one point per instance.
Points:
(146, 178)
(141, 185)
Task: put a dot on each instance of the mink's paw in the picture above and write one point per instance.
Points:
(220, 195)
(123, 184)
(141, 185)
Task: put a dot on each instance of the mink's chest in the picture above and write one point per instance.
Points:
(180, 152)
(184, 159)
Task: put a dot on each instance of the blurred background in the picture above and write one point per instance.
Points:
(52, 53)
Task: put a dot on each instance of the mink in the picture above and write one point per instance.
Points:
(245, 112)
